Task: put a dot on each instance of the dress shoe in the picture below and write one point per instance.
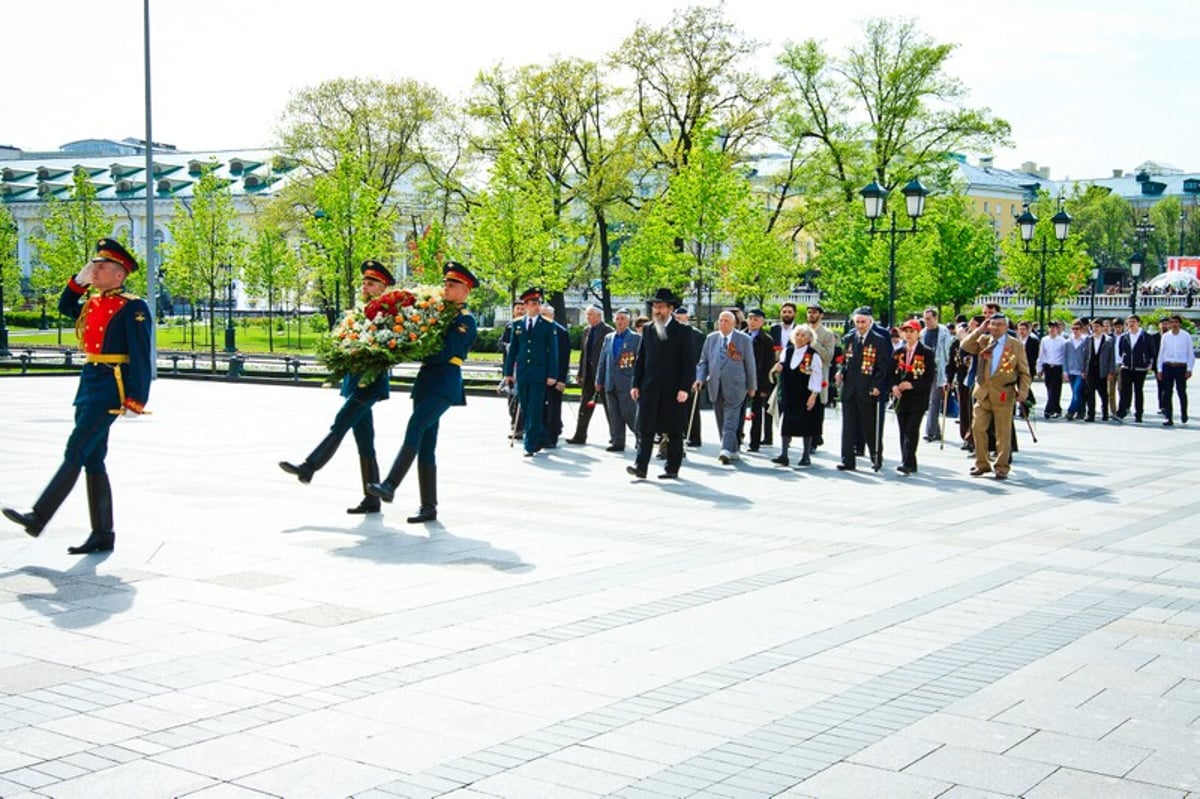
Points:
(1001, 475)
(752, 448)
(1183, 418)
(669, 476)
(96, 542)
(614, 449)
(782, 460)
(805, 461)
(636, 472)
(1137, 419)
(368, 505)
(302, 471)
(1167, 423)
(904, 470)
(977, 472)
(528, 454)
(32, 524)
(576, 440)
(423, 515)
(1090, 419)
(846, 467)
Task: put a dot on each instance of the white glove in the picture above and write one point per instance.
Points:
(84, 278)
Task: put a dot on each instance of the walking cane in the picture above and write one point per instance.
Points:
(692, 413)
(512, 434)
(880, 418)
(1028, 421)
(945, 413)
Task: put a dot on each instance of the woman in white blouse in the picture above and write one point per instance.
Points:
(800, 381)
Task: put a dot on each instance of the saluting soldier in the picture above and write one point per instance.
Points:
(113, 327)
(439, 385)
(1001, 381)
(355, 413)
(530, 362)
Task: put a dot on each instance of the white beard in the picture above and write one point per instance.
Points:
(660, 329)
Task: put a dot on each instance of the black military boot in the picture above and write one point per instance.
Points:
(60, 486)
(427, 482)
(102, 536)
(369, 467)
(315, 460)
(387, 489)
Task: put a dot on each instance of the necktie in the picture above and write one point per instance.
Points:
(528, 324)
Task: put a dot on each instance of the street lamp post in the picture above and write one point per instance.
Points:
(1095, 277)
(1062, 228)
(230, 343)
(874, 206)
(1135, 268)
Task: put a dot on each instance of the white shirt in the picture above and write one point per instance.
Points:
(1052, 352)
(1176, 348)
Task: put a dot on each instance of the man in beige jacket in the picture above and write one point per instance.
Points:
(1002, 380)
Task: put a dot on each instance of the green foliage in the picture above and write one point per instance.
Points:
(955, 255)
(10, 270)
(1066, 273)
(1103, 222)
(427, 253)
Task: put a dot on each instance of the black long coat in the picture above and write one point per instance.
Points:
(663, 369)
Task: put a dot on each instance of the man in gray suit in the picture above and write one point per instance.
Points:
(727, 365)
(614, 377)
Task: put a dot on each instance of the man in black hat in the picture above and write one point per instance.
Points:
(114, 333)
(529, 364)
(663, 373)
(438, 386)
(355, 413)
(863, 379)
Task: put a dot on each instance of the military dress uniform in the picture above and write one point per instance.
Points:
(438, 387)
(355, 415)
(531, 359)
(114, 334)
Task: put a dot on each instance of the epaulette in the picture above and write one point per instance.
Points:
(126, 295)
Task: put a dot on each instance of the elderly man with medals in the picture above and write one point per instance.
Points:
(1002, 381)
(863, 379)
(114, 332)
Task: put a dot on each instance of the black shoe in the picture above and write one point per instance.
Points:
(369, 504)
(303, 472)
(636, 472)
(905, 470)
(423, 514)
(385, 490)
(1090, 419)
(576, 440)
(694, 444)
(846, 467)
(669, 476)
(1167, 423)
(32, 524)
(1137, 419)
(614, 449)
(96, 542)
(782, 460)
(752, 448)
(1183, 418)
(527, 454)
(805, 461)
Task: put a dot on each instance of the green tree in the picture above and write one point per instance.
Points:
(207, 246)
(72, 226)
(650, 258)
(266, 262)
(516, 236)
(885, 111)
(1170, 221)
(10, 269)
(955, 255)
(1103, 222)
(853, 265)
(1065, 273)
(760, 264)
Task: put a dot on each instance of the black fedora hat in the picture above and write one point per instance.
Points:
(665, 295)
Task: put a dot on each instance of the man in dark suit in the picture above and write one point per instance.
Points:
(914, 371)
(1099, 361)
(438, 387)
(114, 333)
(683, 317)
(590, 347)
(554, 394)
(1136, 351)
(863, 380)
(781, 331)
(614, 378)
(764, 360)
(663, 373)
(529, 364)
(355, 413)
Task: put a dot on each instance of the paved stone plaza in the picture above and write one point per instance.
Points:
(564, 632)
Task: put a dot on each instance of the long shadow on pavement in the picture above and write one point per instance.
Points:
(81, 598)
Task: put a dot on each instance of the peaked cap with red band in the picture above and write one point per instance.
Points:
(453, 270)
(373, 269)
(111, 250)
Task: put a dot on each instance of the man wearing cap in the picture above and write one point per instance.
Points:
(863, 380)
(614, 377)
(590, 348)
(530, 363)
(438, 386)
(763, 347)
(726, 366)
(114, 330)
(914, 372)
(355, 413)
(1001, 382)
(663, 374)
(696, 338)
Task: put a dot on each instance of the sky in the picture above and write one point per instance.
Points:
(1088, 86)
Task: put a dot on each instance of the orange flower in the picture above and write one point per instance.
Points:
(412, 336)
(392, 344)
(398, 329)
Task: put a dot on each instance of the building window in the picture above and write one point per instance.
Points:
(985, 206)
